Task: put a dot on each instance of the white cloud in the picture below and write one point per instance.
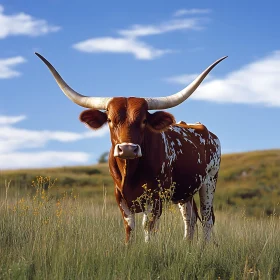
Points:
(41, 159)
(23, 24)
(183, 79)
(173, 25)
(120, 45)
(7, 64)
(129, 42)
(184, 12)
(6, 120)
(14, 141)
(255, 83)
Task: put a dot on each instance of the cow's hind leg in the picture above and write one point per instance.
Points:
(189, 214)
(206, 194)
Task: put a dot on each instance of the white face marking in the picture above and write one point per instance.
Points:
(129, 217)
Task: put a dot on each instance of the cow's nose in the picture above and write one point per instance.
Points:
(127, 151)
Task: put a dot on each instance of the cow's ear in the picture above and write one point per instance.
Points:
(93, 118)
(159, 121)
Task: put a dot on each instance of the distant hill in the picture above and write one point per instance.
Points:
(249, 181)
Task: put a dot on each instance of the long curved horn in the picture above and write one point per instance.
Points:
(84, 101)
(177, 98)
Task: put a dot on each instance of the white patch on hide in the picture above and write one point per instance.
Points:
(162, 167)
(179, 142)
(170, 151)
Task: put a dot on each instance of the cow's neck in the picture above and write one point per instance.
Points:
(123, 172)
(128, 171)
(136, 170)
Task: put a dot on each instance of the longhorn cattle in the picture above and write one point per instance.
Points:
(151, 150)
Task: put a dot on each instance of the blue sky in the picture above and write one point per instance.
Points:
(128, 48)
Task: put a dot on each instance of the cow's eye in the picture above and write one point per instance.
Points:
(108, 120)
(145, 121)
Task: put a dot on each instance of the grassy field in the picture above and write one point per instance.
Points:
(69, 237)
(69, 227)
(247, 181)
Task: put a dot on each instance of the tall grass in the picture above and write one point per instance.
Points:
(67, 237)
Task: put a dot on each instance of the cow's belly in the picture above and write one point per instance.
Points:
(183, 178)
(187, 184)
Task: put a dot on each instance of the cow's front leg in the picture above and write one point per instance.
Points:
(151, 220)
(128, 216)
(189, 214)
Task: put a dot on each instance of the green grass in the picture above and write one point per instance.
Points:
(70, 237)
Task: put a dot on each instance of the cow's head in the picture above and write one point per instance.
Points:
(128, 118)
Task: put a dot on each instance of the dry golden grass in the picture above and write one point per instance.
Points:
(66, 236)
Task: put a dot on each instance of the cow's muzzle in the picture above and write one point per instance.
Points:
(127, 151)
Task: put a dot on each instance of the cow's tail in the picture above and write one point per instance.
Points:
(213, 215)
(197, 214)
(194, 207)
